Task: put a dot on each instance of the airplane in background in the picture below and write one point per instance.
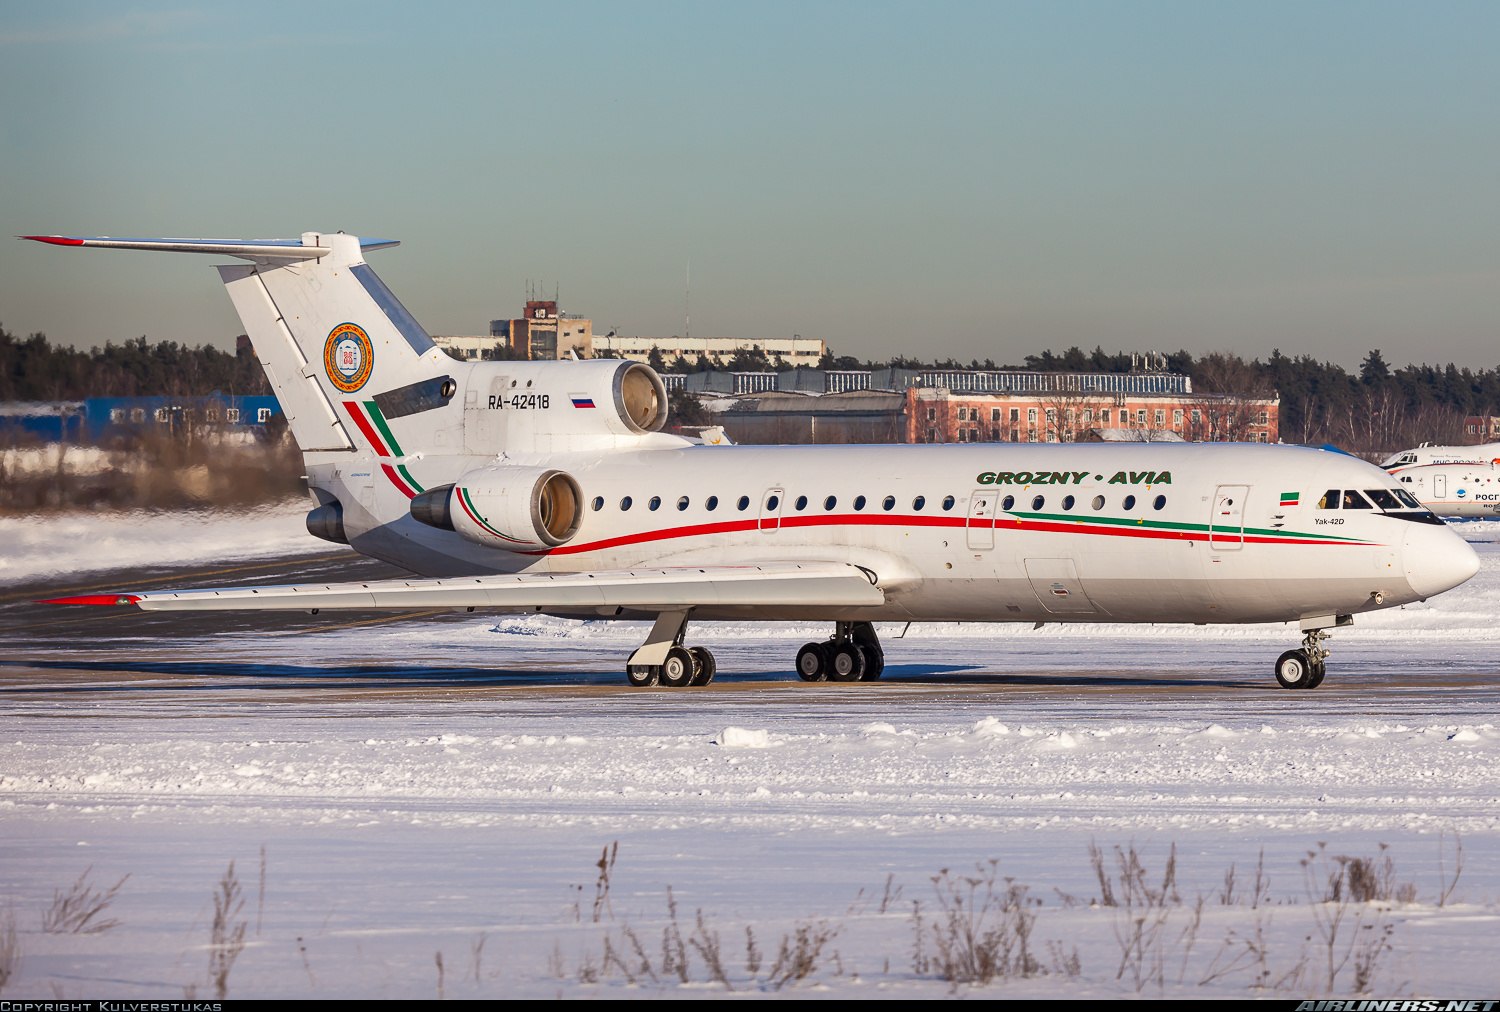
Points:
(1419, 456)
(1455, 490)
(551, 487)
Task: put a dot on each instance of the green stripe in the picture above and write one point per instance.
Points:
(409, 479)
(1166, 525)
(385, 430)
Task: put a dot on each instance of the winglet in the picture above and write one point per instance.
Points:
(98, 599)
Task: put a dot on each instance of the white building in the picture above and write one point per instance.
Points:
(792, 351)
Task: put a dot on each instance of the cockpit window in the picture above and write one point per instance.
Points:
(1383, 499)
(1407, 499)
(1330, 500)
(1354, 501)
(1407, 458)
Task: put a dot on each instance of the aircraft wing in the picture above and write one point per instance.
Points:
(791, 583)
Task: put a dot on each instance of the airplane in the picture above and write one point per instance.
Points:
(1426, 453)
(550, 487)
(1466, 490)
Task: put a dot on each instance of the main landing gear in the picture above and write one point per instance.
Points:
(663, 660)
(1304, 668)
(853, 654)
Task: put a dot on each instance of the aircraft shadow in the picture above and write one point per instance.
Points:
(239, 675)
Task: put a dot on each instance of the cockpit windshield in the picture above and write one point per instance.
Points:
(1395, 502)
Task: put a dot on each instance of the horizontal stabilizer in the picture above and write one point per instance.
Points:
(247, 249)
(816, 584)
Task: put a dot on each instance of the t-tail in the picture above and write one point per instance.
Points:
(358, 379)
(326, 329)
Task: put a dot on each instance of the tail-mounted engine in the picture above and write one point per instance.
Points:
(525, 407)
(518, 509)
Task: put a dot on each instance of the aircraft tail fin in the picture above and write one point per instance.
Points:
(328, 332)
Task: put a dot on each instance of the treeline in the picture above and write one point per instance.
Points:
(1375, 409)
(33, 369)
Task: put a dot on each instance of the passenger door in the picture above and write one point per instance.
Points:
(1226, 525)
(981, 524)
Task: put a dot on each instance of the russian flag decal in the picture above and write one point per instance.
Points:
(580, 401)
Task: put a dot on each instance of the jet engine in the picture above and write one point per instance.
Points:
(518, 509)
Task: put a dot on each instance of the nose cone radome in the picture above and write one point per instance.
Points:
(1436, 560)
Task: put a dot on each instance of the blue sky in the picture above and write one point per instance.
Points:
(942, 179)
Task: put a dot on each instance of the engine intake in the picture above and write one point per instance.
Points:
(518, 509)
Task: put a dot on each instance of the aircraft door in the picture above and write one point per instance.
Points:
(1056, 584)
(1440, 486)
(484, 421)
(981, 525)
(770, 510)
(1226, 525)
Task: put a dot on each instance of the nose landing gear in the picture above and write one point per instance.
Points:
(1304, 668)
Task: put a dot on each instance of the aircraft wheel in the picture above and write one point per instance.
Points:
(1318, 671)
(642, 675)
(678, 669)
(812, 663)
(1295, 671)
(874, 665)
(846, 663)
(704, 666)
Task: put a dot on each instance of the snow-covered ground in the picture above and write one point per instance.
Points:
(1006, 806)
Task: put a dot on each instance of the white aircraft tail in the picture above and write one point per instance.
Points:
(328, 333)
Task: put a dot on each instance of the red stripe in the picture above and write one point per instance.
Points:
(104, 599)
(364, 426)
(458, 494)
(401, 486)
(55, 240)
(899, 520)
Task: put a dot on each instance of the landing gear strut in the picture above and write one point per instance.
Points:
(853, 654)
(1304, 668)
(663, 660)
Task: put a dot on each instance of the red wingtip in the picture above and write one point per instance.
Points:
(104, 599)
(55, 240)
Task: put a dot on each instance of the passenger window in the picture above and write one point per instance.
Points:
(1098, 502)
(1038, 502)
(625, 503)
(889, 503)
(1159, 503)
(802, 502)
(1068, 502)
(1330, 500)
(1007, 502)
(744, 503)
(918, 504)
(655, 502)
(711, 503)
(1354, 501)
(1382, 498)
(598, 503)
(830, 502)
(772, 503)
(1129, 502)
(682, 503)
(859, 503)
(948, 502)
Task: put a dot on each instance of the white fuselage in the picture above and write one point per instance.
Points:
(972, 532)
(1455, 490)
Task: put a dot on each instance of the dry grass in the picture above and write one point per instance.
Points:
(80, 909)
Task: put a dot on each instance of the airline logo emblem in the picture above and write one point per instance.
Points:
(348, 357)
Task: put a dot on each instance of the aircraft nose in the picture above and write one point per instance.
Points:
(1436, 559)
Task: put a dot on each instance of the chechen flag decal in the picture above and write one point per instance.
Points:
(580, 401)
(1289, 498)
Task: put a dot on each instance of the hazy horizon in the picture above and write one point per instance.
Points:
(963, 181)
